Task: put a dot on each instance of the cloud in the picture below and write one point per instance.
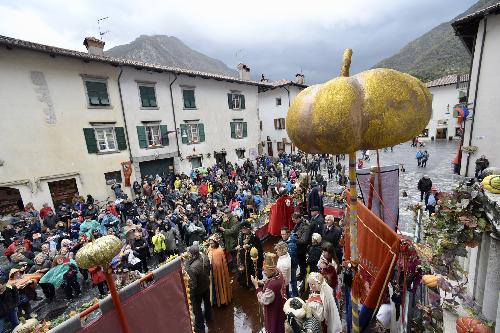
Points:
(276, 37)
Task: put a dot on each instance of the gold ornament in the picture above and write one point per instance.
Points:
(254, 254)
(98, 252)
(373, 109)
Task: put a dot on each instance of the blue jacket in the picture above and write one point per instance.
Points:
(292, 248)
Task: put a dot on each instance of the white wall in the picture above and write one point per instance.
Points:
(41, 126)
(486, 133)
(213, 111)
(444, 99)
(268, 111)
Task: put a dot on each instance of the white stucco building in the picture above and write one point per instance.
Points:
(480, 33)
(446, 92)
(61, 125)
(183, 121)
(70, 119)
(273, 107)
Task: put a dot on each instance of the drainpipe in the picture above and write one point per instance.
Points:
(475, 92)
(462, 139)
(288, 92)
(173, 114)
(123, 113)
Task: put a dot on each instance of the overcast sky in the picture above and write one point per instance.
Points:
(278, 38)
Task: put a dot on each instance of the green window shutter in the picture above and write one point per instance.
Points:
(230, 100)
(120, 138)
(245, 131)
(164, 135)
(148, 96)
(97, 93)
(184, 130)
(201, 132)
(141, 135)
(233, 130)
(90, 140)
(242, 102)
(189, 101)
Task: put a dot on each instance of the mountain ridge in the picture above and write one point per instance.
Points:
(169, 51)
(436, 53)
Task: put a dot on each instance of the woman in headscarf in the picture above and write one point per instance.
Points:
(322, 304)
(220, 287)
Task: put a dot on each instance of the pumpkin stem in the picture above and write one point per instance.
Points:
(346, 62)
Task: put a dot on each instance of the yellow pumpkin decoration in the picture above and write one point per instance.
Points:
(492, 183)
(430, 281)
(373, 109)
(98, 252)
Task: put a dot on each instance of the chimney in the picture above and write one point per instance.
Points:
(94, 46)
(299, 77)
(244, 72)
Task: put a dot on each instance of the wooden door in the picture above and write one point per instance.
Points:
(63, 191)
(270, 148)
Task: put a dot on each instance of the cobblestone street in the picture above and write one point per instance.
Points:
(439, 169)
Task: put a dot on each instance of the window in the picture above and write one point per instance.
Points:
(458, 131)
(97, 92)
(148, 96)
(278, 101)
(280, 145)
(106, 140)
(195, 162)
(279, 123)
(153, 135)
(236, 101)
(238, 130)
(240, 153)
(188, 97)
(113, 176)
(192, 132)
(425, 133)
(260, 125)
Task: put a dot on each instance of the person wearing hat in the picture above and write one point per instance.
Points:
(221, 290)
(269, 295)
(229, 229)
(9, 300)
(316, 222)
(246, 241)
(198, 267)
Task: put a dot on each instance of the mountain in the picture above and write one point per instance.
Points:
(169, 51)
(436, 53)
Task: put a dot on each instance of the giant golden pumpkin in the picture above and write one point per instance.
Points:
(373, 109)
(98, 252)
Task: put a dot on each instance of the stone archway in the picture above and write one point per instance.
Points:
(10, 200)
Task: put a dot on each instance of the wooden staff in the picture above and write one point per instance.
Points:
(353, 202)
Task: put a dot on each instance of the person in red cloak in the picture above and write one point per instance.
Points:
(281, 214)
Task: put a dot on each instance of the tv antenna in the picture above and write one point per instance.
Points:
(102, 33)
(239, 55)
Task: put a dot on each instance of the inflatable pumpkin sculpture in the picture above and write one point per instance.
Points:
(374, 109)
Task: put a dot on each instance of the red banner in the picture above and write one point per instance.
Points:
(378, 250)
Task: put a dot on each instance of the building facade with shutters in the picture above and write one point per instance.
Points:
(447, 92)
(273, 107)
(179, 122)
(62, 130)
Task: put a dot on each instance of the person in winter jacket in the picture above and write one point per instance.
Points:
(98, 278)
(198, 267)
(159, 245)
(314, 253)
(9, 300)
(140, 246)
(424, 186)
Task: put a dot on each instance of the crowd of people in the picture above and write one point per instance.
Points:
(207, 209)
